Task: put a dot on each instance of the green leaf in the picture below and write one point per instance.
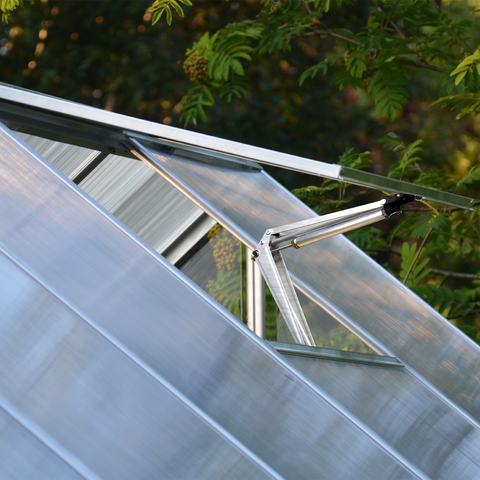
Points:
(459, 77)
(177, 8)
(387, 91)
(312, 71)
(466, 62)
(473, 175)
(431, 220)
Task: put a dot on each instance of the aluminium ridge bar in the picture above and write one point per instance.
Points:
(115, 121)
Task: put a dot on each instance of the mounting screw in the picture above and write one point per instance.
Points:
(255, 254)
(262, 243)
(268, 232)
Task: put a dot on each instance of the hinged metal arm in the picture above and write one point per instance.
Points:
(297, 235)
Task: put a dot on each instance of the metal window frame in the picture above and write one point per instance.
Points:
(97, 125)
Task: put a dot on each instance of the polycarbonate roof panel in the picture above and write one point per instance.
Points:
(168, 331)
(24, 455)
(69, 159)
(142, 200)
(84, 392)
(336, 268)
(130, 190)
(416, 422)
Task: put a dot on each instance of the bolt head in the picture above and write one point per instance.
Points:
(268, 232)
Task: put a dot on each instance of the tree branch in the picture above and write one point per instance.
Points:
(416, 256)
(446, 210)
(424, 64)
(439, 10)
(435, 4)
(459, 315)
(390, 18)
(469, 220)
(446, 273)
(306, 6)
(328, 32)
(385, 250)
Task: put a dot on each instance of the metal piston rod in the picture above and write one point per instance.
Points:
(299, 234)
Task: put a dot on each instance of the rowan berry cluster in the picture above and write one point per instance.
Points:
(196, 66)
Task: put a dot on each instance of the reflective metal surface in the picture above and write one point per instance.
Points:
(367, 295)
(147, 339)
(118, 126)
(366, 179)
(280, 284)
(305, 232)
(91, 117)
(402, 411)
(255, 287)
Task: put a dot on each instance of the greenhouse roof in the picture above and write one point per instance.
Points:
(119, 360)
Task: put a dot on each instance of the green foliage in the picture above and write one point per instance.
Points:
(408, 163)
(441, 231)
(225, 289)
(8, 6)
(370, 239)
(470, 100)
(432, 220)
(320, 198)
(311, 72)
(446, 301)
(194, 106)
(159, 7)
(412, 268)
(472, 176)
(215, 62)
(386, 88)
(399, 39)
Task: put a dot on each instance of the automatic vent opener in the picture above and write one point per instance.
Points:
(269, 257)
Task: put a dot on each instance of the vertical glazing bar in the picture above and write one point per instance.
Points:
(255, 299)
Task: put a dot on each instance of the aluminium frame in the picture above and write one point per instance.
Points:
(299, 234)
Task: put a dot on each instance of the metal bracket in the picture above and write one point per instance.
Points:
(299, 234)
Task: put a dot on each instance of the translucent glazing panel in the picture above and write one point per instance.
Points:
(165, 322)
(142, 200)
(69, 159)
(326, 331)
(24, 455)
(86, 393)
(432, 435)
(217, 264)
(337, 269)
